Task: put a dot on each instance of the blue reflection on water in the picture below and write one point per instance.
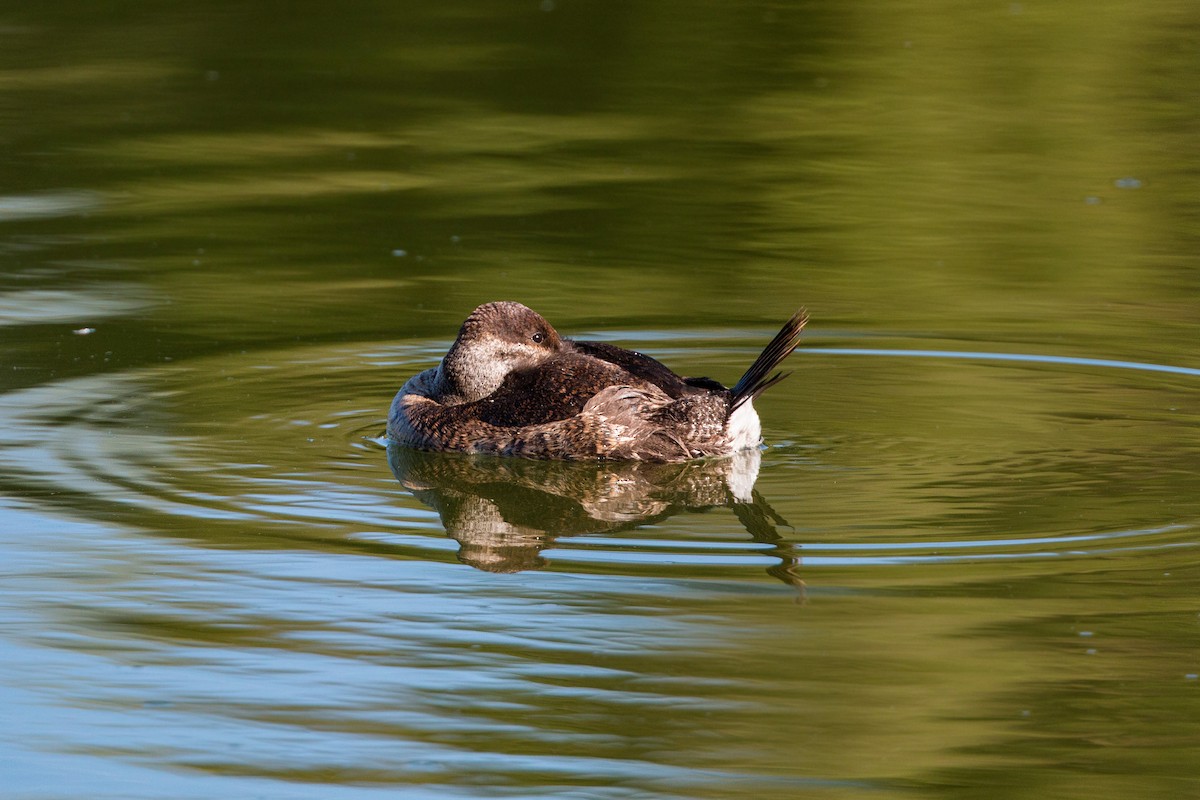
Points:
(1021, 357)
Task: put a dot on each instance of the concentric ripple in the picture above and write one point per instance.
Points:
(910, 456)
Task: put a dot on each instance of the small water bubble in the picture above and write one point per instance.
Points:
(83, 331)
(1091, 651)
(455, 239)
(1086, 633)
(1127, 183)
(1191, 676)
(1092, 200)
(399, 253)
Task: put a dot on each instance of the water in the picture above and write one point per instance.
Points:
(965, 565)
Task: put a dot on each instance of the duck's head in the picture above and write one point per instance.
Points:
(495, 340)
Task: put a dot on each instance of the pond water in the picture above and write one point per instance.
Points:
(964, 565)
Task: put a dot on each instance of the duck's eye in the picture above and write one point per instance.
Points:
(538, 338)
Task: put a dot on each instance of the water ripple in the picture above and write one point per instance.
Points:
(1075, 361)
(165, 449)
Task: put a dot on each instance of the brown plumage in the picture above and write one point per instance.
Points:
(510, 385)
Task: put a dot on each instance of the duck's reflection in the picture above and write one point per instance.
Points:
(504, 511)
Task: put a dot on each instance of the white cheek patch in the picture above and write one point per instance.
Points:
(481, 366)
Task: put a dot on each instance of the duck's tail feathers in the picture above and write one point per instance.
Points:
(759, 378)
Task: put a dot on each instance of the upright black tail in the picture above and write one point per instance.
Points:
(756, 380)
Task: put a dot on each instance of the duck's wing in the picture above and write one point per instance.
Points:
(552, 391)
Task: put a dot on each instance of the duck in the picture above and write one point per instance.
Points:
(510, 385)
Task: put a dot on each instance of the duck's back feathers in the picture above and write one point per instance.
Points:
(639, 366)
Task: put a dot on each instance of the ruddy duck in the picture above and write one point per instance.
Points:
(510, 385)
